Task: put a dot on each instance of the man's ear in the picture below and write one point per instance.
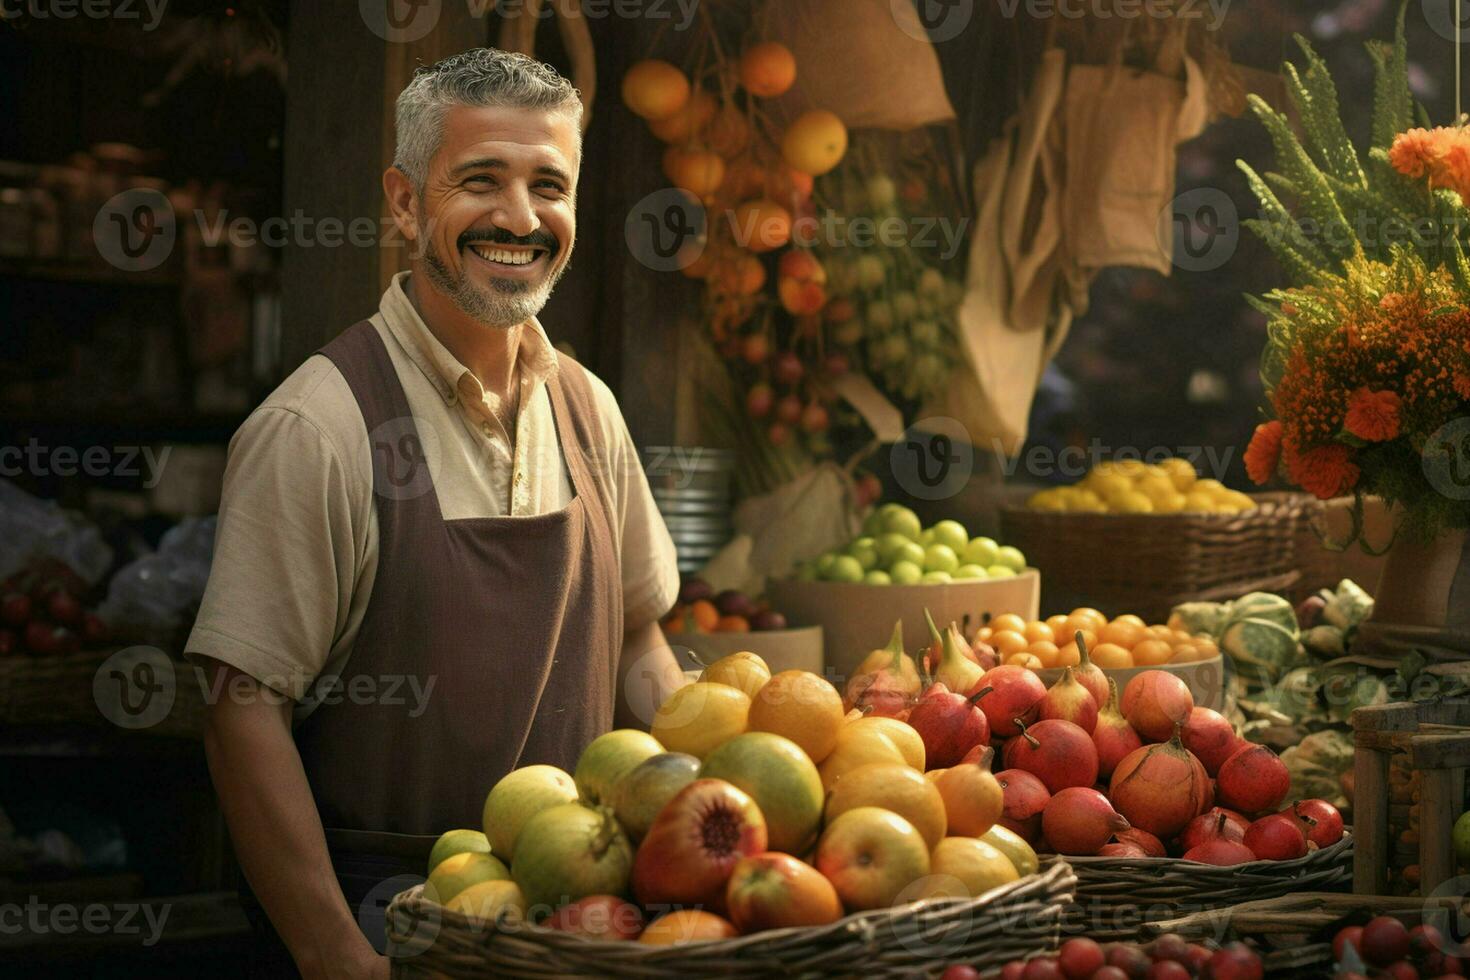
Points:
(402, 202)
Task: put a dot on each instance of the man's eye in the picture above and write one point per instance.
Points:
(480, 179)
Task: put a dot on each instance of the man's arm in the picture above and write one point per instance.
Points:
(647, 674)
(277, 831)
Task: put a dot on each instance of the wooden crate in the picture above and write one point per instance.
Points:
(1434, 738)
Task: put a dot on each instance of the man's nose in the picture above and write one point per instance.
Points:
(514, 213)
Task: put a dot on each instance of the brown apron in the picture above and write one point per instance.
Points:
(516, 621)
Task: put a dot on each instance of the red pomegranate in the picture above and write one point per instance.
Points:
(1221, 851)
(1025, 798)
(1090, 675)
(1211, 737)
(1121, 849)
(1113, 736)
(1160, 787)
(1144, 841)
(1080, 820)
(1156, 701)
(1016, 693)
(1277, 837)
(1327, 829)
(1385, 941)
(1214, 822)
(950, 725)
(1057, 752)
(1068, 700)
(1253, 780)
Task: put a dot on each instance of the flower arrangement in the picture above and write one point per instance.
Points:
(1368, 352)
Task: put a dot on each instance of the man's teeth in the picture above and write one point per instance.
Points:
(504, 256)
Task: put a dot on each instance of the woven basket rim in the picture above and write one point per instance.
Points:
(1271, 504)
(1321, 855)
(1057, 881)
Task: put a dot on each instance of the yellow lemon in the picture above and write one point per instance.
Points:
(460, 871)
(489, 900)
(1014, 847)
(903, 735)
(699, 717)
(1199, 502)
(1132, 502)
(1181, 471)
(965, 867)
(861, 750)
(1103, 483)
(1170, 503)
(744, 671)
(893, 787)
(801, 706)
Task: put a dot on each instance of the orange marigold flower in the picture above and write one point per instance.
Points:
(1413, 153)
(1264, 452)
(1373, 415)
(1325, 471)
(1454, 170)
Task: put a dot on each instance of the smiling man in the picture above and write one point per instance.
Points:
(438, 557)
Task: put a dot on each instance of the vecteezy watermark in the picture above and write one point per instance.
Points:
(935, 21)
(406, 21)
(372, 914)
(665, 231)
(405, 457)
(1447, 18)
(135, 230)
(37, 459)
(148, 12)
(38, 918)
(1211, 11)
(1446, 459)
(137, 687)
(1200, 229)
(1075, 462)
(934, 458)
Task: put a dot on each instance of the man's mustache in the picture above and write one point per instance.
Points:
(540, 238)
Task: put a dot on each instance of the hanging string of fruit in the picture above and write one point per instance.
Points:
(799, 289)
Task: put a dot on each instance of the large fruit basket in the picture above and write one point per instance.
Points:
(1149, 563)
(1118, 897)
(918, 939)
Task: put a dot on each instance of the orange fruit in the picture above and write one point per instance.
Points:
(706, 617)
(1180, 636)
(787, 185)
(1123, 634)
(760, 226)
(1008, 621)
(1161, 632)
(1038, 631)
(686, 926)
(815, 142)
(983, 634)
(1058, 623)
(655, 89)
(743, 275)
(687, 121)
(1067, 655)
(697, 171)
(1129, 618)
(1081, 621)
(1108, 655)
(801, 706)
(1007, 642)
(1026, 659)
(893, 787)
(729, 132)
(732, 624)
(1206, 646)
(1044, 651)
(1186, 654)
(1151, 653)
(973, 799)
(767, 69)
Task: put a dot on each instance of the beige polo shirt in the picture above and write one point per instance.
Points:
(296, 552)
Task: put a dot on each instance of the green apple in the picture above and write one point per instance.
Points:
(970, 572)
(873, 524)
(1011, 558)
(453, 842)
(952, 533)
(845, 568)
(905, 573)
(1001, 571)
(980, 551)
(824, 564)
(937, 578)
(926, 537)
(911, 551)
(901, 520)
(940, 558)
(865, 550)
(891, 546)
(878, 577)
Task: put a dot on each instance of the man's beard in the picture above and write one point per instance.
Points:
(508, 302)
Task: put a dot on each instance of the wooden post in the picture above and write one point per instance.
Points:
(1370, 818)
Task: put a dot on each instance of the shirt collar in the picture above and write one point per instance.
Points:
(536, 358)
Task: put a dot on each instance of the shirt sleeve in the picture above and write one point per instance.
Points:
(285, 562)
(649, 565)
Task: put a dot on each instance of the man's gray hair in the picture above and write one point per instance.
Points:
(477, 77)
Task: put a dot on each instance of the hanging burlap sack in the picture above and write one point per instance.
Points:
(869, 61)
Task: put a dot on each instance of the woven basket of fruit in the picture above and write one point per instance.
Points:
(1117, 896)
(1015, 920)
(1151, 562)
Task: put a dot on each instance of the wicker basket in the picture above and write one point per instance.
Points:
(1013, 921)
(1148, 563)
(62, 690)
(1116, 897)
